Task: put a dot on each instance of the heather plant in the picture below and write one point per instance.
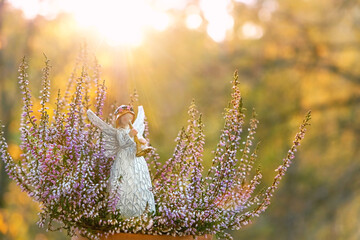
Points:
(63, 166)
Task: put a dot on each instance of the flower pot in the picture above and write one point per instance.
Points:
(132, 236)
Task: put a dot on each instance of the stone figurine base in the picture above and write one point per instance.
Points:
(131, 236)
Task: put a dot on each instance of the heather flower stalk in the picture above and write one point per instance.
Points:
(63, 166)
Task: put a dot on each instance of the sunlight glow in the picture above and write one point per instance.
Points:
(119, 22)
(124, 23)
(193, 21)
(160, 21)
(218, 30)
(267, 9)
(220, 20)
(32, 8)
(252, 31)
(247, 2)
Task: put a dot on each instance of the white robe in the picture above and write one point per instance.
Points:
(129, 174)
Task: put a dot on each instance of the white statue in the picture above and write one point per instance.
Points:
(129, 173)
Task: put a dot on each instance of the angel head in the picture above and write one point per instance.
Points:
(124, 115)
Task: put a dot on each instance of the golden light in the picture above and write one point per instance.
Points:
(118, 22)
(193, 21)
(267, 9)
(247, 2)
(160, 21)
(252, 31)
(217, 30)
(217, 13)
(124, 22)
(30, 8)
(121, 22)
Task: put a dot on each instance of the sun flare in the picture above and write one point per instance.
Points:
(118, 22)
(125, 23)
(121, 22)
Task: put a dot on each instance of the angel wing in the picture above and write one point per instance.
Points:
(139, 123)
(111, 144)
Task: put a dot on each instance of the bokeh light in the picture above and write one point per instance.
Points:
(193, 21)
(118, 22)
(125, 22)
(219, 19)
(251, 31)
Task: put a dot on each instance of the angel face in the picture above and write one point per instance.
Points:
(125, 119)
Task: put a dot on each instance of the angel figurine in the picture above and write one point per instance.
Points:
(129, 174)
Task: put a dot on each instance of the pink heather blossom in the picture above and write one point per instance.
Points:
(64, 168)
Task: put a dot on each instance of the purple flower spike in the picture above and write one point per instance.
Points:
(63, 166)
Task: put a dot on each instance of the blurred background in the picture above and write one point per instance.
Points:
(292, 56)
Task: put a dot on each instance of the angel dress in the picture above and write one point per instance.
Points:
(129, 175)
